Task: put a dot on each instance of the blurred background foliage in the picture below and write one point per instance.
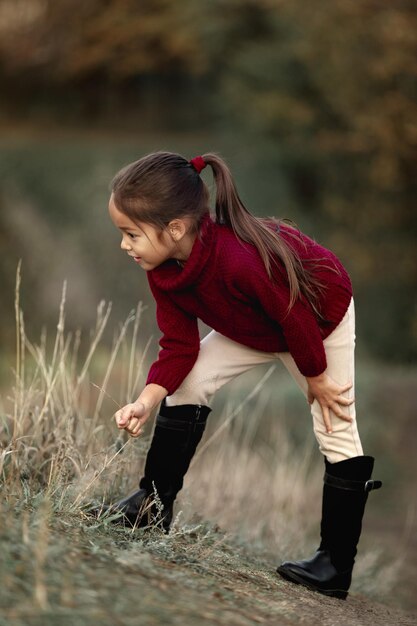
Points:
(313, 105)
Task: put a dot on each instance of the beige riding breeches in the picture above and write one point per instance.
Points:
(220, 360)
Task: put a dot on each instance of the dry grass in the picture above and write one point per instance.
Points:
(60, 450)
(59, 437)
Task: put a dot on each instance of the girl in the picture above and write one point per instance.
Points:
(268, 292)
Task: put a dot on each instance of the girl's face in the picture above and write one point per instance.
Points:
(147, 245)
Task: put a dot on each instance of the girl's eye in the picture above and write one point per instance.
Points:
(131, 235)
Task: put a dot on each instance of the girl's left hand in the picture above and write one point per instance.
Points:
(328, 394)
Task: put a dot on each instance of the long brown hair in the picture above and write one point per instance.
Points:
(163, 186)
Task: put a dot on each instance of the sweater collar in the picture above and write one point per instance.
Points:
(170, 276)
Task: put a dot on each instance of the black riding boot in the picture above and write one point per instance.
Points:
(345, 492)
(178, 431)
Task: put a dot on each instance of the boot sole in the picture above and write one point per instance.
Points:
(341, 594)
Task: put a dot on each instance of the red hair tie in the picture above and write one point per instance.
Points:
(198, 163)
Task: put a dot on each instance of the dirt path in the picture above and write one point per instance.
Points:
(112, 578)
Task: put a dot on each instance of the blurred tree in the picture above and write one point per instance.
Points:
(329, 87)
(333, 86)
(102, 55)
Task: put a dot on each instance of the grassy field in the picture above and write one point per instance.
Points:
(251, 498)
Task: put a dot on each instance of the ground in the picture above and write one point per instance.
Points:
(71, 571)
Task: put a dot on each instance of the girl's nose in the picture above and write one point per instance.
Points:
(124, 244)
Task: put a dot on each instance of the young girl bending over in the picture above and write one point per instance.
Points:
(268, 292)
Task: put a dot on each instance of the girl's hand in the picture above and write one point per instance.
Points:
(132, 417)
(328, 394)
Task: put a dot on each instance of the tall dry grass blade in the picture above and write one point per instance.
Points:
(18, 337)
(22, 357)
(234, 413)
(109, 369)
(39, 355)
(141, 362)
(60, 326)
(249, 428)
(129, 394)
(106, 394)
(98, 474)
(74, 355)
(102, 320)
(50, 384)
(64, 380)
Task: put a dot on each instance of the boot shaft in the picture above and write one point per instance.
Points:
(178, 431)
(345, 493)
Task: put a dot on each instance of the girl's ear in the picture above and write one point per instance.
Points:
(177, 229)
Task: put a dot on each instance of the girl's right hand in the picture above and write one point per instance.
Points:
(132, 417)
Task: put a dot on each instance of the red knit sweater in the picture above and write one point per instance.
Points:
(224, 283)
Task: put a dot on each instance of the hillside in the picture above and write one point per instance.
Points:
(59, 452)
(70, 571)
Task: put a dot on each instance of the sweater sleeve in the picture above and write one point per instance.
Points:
(299, 326)
(180, 342)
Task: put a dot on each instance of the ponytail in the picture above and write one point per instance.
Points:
(145, 190)
(231, 211)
